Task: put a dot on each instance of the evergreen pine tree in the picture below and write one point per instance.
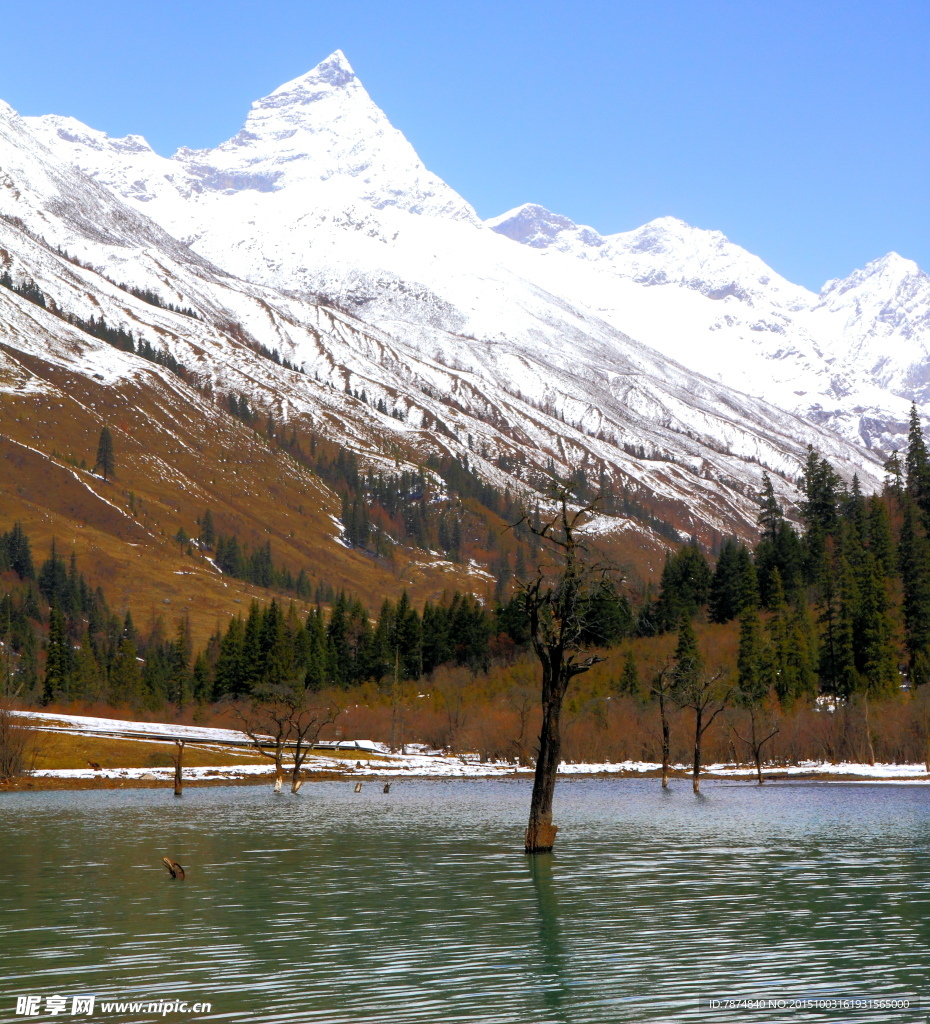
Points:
(829, 668)
(87, 680)
(918, 466)
(125, 686)
(876, 657)
(914, 555)
(201, 687)
(628, 684)
(181, 653)
(57, 659)
(894, 476)
(106, 457)
(207, 530)
(725, 589)
(770, 515)
(229, 680)
(20, 553)
(689, 665)
(751, 687)
(881, 541)
(316, 675)
(847, 677)
(820, 484)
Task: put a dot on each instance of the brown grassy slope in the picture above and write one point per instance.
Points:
(176, 455)
(57, 750)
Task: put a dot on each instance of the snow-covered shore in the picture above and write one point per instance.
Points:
(439, 766)
(378, 761)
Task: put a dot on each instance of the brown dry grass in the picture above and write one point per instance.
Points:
(62, 750)
(176, 455)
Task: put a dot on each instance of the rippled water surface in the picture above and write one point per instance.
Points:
(419, 905)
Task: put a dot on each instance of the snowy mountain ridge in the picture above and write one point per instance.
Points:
(318, 194)
(664, 251)
(666, 359)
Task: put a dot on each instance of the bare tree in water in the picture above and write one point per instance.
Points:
(752, 691)
(557, 599)
(308, 720)
(693, 688)
(661, 691)
(286, 718)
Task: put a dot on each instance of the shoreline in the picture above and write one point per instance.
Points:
(262, 775)
(117, 752)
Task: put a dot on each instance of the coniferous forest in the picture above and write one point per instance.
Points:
(818, 636)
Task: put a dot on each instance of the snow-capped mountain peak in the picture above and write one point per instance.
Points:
(889, 273)
(69, 129)
(666, 250)
(321, 138)
(534, 225)
(319, 195)
(334, 73)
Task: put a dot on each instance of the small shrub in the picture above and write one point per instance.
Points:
(18, 749)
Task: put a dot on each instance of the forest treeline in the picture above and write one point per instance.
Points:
(445, 506)
(63, 643)
(840, 606)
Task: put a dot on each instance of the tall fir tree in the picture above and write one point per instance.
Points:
(750, 674)
(917, 465)
(914, 558)
(106, 456)
(57, 659)
(689, 664)
(876, 654)
(207, 530)
(770, 515)
(125, 682)
(628, 684)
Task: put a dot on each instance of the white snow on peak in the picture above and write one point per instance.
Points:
(333, 73)
(319, 195)
(664, 251)
(540, 228)
(317, 145)
(889, 272)
(322, 140)
(69, 129)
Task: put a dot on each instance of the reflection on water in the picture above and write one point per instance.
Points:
(419, 905)
(554, 967)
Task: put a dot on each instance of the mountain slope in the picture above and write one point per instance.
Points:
(852, 357)
(318, 195)
(354, 303)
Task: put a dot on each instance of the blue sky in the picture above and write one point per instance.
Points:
(800, 130)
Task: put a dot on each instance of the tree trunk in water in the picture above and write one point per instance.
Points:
(278, 775)
(666, 741)
(696, 782)
(540, 833)
(178, 778)
(756, 747)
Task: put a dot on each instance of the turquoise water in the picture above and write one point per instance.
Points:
(419, 905)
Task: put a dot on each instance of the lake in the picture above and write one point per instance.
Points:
(420, 906)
